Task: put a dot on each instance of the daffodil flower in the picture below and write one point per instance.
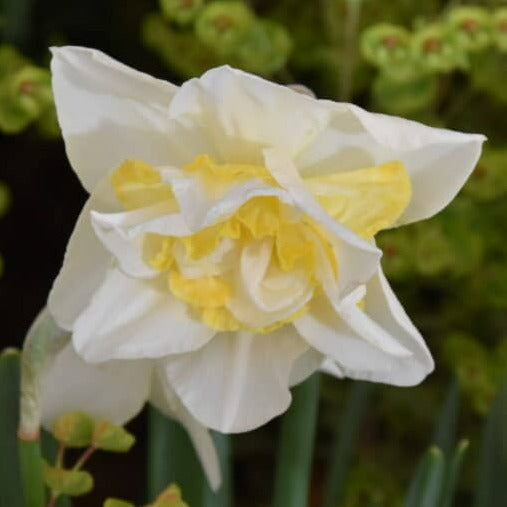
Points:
(227, 246)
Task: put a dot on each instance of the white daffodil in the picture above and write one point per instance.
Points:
(228, 244)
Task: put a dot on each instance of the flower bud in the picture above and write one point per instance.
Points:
(222, 24)
(471, 27)
(385, 45)
(499, 28)
(182, 12)
(74, 429)
(170, 497)
(436, 51)
(264, 48)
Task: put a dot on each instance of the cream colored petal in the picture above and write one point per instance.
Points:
(357, 259)
(167, 401)
(109, 113)
(244, 113)
(366, 348)
(238, 381)
(115, 391)
(129, 318)
(439, 161)
(85, 263)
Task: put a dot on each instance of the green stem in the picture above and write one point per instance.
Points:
(350, 49)
(30, 460)
(295, 452)
(344, 441)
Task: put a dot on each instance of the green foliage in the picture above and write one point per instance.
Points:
(215, 33)
(109, 437)
(74, 429)
(25, 95)
(67, 482)
(115, 502)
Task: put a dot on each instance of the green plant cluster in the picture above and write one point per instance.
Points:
(25, 95)
(213, 33)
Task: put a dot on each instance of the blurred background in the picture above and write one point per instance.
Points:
(440, 62)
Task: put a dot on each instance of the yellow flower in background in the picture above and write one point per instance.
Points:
(227, 248)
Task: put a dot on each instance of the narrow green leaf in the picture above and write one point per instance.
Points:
(426, 486)
(344, 441)
(171, 458)
(492, 466)
(109, 437)
(223, 497)
(30, 460)
(452, 474)
(445, 431)
(10, 480)
(295, 451)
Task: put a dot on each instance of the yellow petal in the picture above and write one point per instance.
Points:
(366, 200)
(137, 185)
(208, 291)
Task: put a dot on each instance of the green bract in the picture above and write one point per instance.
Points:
(109, 437)
(264, 47)
(181, 12)
(499, 28)
(67, 482)
(435, 51)
(74, 429)
(222, 24)
(471, 27)
(386, 45)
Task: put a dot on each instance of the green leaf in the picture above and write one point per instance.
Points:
(49, 447)
(115, 502)
(74, 429)
(109, 437)
(344, 441)
(295, 452)
(452, 474)
(492, 466)
(427, 482)
(67, 482)
(445, 431)
(10, 480)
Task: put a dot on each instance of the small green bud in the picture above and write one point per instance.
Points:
(74, 429)
(170, 497)
(109, 437)
(182, 12)
(499, 28)
(435, 51)
(264, 48)
(385, 45)
(115, 502)
(67, 482)
(471, 27)
(222, 24)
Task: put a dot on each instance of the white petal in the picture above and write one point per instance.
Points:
(355, 353)
(115, 391)
(130, 318)
(238, 381)
(109, 113)
(244, 113)
(439, 161)
(357, 259)
(305, 365)
(84, 266)
(167, 401)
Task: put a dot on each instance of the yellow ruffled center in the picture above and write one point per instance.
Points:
(365, 200)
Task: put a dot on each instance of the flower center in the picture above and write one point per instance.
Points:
(259, 267)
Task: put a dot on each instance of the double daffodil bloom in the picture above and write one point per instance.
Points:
(227, 249)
